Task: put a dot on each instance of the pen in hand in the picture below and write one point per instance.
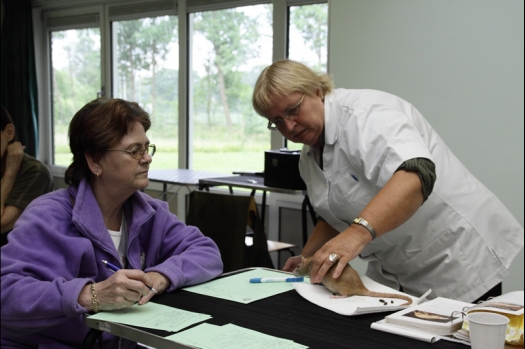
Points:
(114, 268)
(110, 266)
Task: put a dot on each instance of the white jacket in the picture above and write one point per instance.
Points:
(460, 242)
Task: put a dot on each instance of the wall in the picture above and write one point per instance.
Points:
(461, 64)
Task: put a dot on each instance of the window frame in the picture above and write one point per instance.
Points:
(45, 17)
(51, 21)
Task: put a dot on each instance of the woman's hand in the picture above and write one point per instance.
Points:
(395, 203)
(159, 284)
(123, 289)
(321, 234)
(292, 263)
(15, 154)
(346, 246)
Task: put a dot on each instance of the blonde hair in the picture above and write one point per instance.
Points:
(285, 77)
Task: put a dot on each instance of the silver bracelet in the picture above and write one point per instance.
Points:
(368, 226)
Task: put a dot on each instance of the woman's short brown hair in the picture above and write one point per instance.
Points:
(97, 127)
(285, 77)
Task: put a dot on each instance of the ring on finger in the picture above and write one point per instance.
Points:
(153, 290)
(333, 257)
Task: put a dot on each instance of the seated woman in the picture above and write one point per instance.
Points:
(52, 271)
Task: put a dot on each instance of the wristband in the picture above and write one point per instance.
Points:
(94, 298)
(368, 226)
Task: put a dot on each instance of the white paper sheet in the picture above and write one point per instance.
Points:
(354, 305)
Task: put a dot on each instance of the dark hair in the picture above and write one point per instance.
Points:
(97, 127)
(6, 119)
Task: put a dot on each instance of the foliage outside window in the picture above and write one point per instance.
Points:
(75, 59)
(146, 70)
(308, 40)
(229, 49)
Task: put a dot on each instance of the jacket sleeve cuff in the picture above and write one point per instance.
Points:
(70, 297)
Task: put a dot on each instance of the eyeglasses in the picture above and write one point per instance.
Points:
(291, 114)
(138, 152)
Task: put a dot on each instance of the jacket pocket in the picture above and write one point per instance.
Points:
(348, 197)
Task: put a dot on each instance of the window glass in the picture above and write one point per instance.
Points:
(145, 70)
(75, 61)
(229, 49)
(308, 40)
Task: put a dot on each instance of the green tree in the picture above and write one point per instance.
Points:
(312, 22)
(154, 39)
(87, 64)
(231, 33)
(129, 57)
(79, 81)
(143, 45)
(166, 104)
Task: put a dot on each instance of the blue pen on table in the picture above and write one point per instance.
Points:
(266, 280)
(114, 268)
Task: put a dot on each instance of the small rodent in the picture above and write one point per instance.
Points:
(347, 284)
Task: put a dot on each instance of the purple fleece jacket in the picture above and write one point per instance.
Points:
(57, 246)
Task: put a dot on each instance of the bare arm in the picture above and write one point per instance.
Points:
(395, 203)
(14, 156)
(10, 215)
(321, 234)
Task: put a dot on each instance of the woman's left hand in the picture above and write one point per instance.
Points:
(346, 246)
(159, 283)
(395, 203)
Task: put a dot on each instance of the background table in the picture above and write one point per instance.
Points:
(287, 315)
(257, 183)
(191, 179)
(184, 178)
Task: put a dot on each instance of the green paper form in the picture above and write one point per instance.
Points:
(207, 336)
(237, 288)
(152, 315)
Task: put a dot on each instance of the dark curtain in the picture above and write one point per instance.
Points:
(18, 73)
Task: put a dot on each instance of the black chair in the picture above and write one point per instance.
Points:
(225, 218)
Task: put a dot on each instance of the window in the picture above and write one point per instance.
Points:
(308, 35)
(131, 50)
(229, 48)
(75, 59)
(308, 40)
(145, 70)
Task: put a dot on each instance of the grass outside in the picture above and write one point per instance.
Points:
(215, 151)
(225, 163)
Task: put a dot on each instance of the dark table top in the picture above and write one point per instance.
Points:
(180, 176)
(248, 182)
(290, 316)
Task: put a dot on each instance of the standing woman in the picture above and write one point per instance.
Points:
(387, 189)
(52, 270)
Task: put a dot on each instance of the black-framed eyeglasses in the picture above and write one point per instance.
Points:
(291, 114)
(138, 152)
